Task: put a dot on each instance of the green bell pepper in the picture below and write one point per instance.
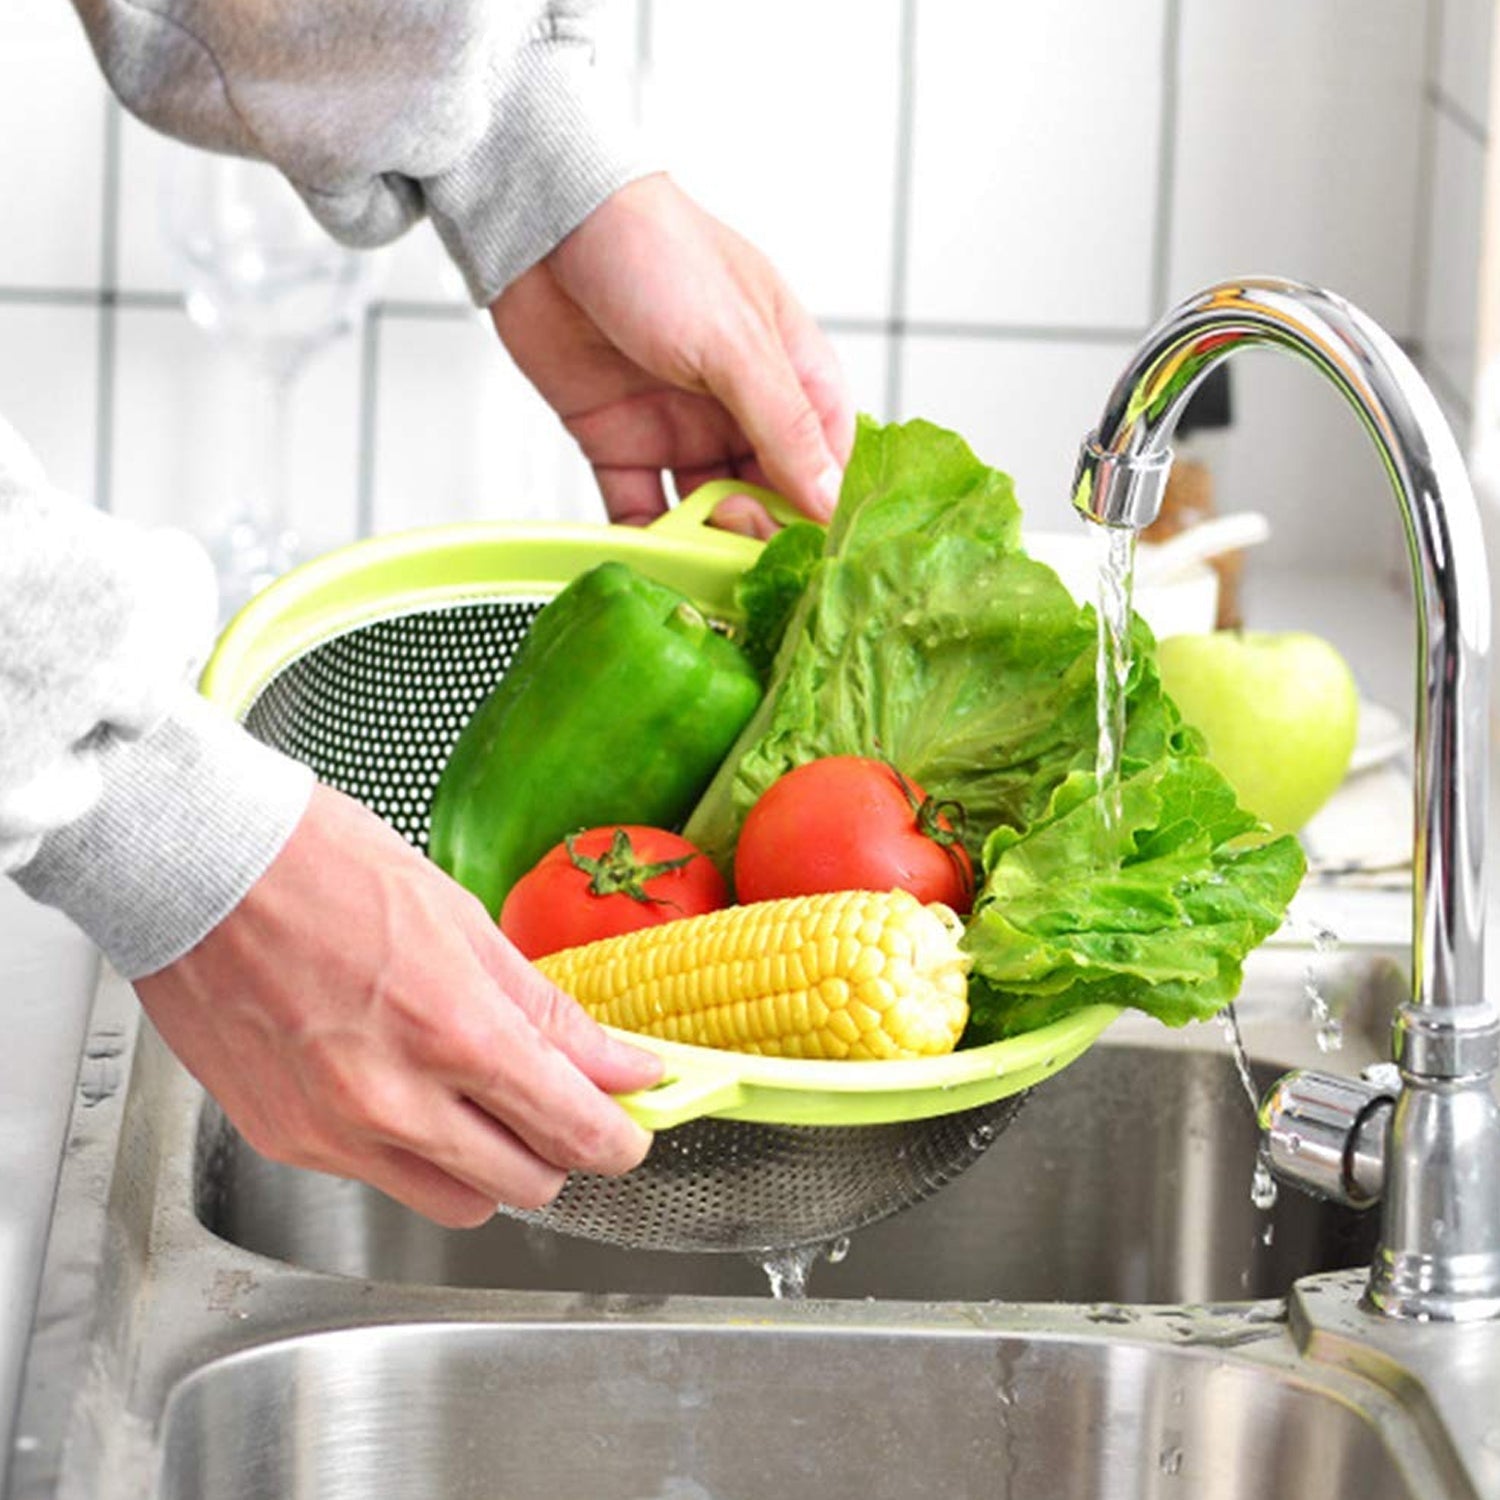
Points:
(618, 708)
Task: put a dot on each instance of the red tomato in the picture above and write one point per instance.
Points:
(607, 881)
(850, 823)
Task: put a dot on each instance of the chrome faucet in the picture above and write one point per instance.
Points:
(1430, 1152)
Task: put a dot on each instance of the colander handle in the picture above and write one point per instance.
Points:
(688, 1096)
(689, 517)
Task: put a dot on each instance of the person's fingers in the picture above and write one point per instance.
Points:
(632, 497)
(762, 388)
(822, 377)
(536, 1062)
(469, 1145)
(745, 515)
(611, 1064)
(536, 1092)
(426, 1188)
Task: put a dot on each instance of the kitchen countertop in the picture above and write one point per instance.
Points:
(48, 971)
(47, 977)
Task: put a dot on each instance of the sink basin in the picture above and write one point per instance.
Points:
(606, 1412)
(1126, 1178)
(1095, 1309)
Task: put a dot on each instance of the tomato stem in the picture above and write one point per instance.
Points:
(930, 815)
(619, 871)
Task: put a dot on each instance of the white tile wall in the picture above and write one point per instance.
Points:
(182, 449)
(51, 149)
(460, 436)
(49, 386)
(1465, 29)
(865, 359)
(1450, 297)
(1035, 148)
(145, 261)
(782, 119)
(1297, 148)
(989, 269)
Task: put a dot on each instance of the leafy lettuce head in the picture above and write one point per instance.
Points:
(924, 634)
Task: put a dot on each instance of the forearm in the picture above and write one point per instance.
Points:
(124, 800)
(487, 113)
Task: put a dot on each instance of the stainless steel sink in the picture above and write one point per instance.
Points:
(1126, 1179)
(216, 1327)
(601, 1412)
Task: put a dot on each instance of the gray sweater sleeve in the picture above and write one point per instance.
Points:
(485, 114)
(125, 800)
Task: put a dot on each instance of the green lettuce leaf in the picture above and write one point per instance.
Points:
(768, 592)
(1156, 910)
(924, 634)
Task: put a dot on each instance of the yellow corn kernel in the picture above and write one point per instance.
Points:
(856, 974)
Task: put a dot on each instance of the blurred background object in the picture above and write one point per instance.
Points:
(1189, 497)
(259, 274)
(937, 181)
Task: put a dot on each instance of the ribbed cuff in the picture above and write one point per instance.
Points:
(546, 163)
(192, 815)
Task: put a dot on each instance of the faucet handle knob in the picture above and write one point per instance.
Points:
(1327, 1135)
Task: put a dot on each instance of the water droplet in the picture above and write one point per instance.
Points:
(787, 1271)
(1231, 1024)
(1263, 1184)
(1268, 1233)
(1169, 1460)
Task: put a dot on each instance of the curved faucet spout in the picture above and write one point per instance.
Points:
(1440, 1251)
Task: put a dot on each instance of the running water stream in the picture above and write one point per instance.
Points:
(787, 1270)
(1115, 562)
(1262, 1183)
(1115, 567)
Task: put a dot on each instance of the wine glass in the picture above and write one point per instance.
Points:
(259, 273)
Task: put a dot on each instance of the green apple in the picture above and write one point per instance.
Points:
(1279, 711)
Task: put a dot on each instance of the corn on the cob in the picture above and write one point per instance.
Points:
(846, 974)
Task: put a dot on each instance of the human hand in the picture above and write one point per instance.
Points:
(360, 1014)
(664, 341)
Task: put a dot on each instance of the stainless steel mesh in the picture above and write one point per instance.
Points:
(732, 1185)
(375, 712)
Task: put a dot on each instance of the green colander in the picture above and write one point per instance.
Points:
(366, 664)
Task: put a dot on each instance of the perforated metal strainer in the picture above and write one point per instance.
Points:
(367, 663)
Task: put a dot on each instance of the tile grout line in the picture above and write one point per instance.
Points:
(417, 311)
(1421, 249)
(1031, 333)
(109, 275)
(1166, 157)
(1439, 380)
(62, 296)
(906, 108)
(645, 25)
(1454, 112)
(369, 397)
